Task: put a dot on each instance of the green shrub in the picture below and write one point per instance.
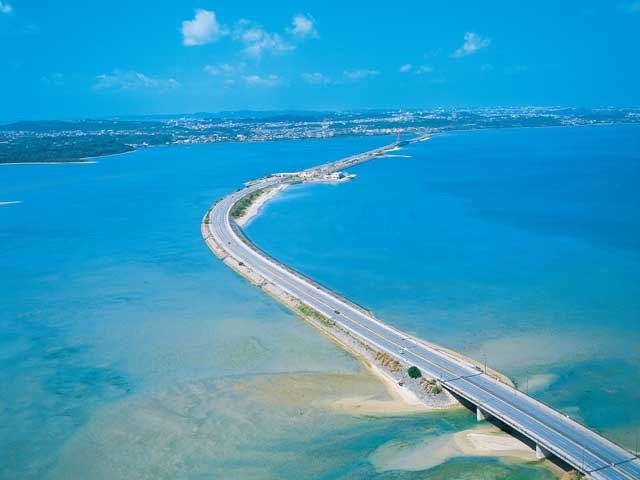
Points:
(414, 372)
(244, 203)
(311, 312)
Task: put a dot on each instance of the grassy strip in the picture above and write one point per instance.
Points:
(310, 312)
(388, 361)
(430, 386)
(244, 203)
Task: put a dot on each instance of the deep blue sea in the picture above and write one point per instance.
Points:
(127, 350)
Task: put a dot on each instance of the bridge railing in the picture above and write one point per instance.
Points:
(575, 462)
(578, 423)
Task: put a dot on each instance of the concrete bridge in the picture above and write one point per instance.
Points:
(552, 433)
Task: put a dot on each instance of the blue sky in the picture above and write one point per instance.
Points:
(89, 59)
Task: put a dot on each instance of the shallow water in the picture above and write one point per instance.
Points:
(123, 341)
(107, 289)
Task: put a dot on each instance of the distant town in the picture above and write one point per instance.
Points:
(79, 140)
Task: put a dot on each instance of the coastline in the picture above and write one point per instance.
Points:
(256, 206)
(73, 162)
(90, 160)
(80, 161)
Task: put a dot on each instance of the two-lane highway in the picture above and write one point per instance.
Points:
(552, 431)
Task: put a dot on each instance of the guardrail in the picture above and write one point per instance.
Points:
(293, 271)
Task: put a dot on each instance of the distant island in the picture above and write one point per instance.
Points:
(79, 140)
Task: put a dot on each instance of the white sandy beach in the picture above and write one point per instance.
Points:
(402, 401)
(254, 209)
(483, 441)
(488, 440)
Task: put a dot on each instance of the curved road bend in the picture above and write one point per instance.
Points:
(554, 432)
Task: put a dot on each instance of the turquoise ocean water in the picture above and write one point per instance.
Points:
(128, 351)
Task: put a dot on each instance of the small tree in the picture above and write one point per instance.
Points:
(414, 372)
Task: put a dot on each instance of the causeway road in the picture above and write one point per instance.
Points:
(552, 432)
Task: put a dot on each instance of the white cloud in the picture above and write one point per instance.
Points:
(316, 78)
(258, 41)
(303, 26)
(418, 70)
(123, 81)
(224, 68)
(267, 81)
(472, 43)
(203, 29)
(5, 7)
(360, 74)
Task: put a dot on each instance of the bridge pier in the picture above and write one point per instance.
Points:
(541, 452)
(481, 414)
